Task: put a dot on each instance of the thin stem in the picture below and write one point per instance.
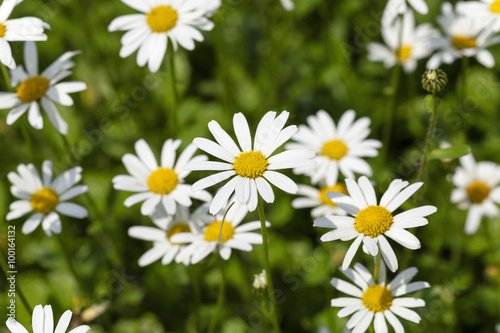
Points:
(195, 282)
(390, 111)
(173, 117)
(69, 149)
(220, 298)
(5, 270)
(376, 272)
(465, 72)
(267, 267)
(6, 77)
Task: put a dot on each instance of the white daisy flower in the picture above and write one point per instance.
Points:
(404, 45)
(43, 322)
(33, 90)
(251, 168)
(167, 226)
(338, 147)
(224, 236)
(477, 189)
(212, 6)
(486, 10)
(372, 221)
(394, 8)
(377, 302)
(465, 36)
(45, 197)
(160, 20)
(21, 29)
(318, 200)
(159, 184)
(288, 4)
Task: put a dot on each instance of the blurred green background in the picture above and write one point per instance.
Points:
(258, 58)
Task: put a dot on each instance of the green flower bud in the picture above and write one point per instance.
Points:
(434, 81)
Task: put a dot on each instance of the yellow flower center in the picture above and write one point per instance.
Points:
(324, 191)
(213, 231)
(495, 7)
(404, 52)
(477, 192)
(176, 229)
(373, 221)
(377, 298)
(44, 200)
(462, 42)
(335, 149)
(251, 164)
(163, 181)
(2, 30)
(32, 89)
(162, 18)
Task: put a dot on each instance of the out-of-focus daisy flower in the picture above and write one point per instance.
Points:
(377, 302)
(485, 10)
(160, 21)
(226, 236)
(21, 29)
(33, 90)
(159, 184)
(212, 6)
(338, 147)
(478, 190)
(251, 168)
(45, 197)
(404, 45)
(167, 226)
(43, 322)
(288, 4)
(465, 36)
(318, 200)
(372, 221)
(394, 8)
(497, 328)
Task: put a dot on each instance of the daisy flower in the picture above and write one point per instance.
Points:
(21, 29)
(45, 197)
(167, 226)
(212, 6)
(464, 36)
(338, 147)
(377, 302)
(477, 189)
(43, 322)
(288, 4)
(159, 21)
(405, 44)
(372, 221)
(317, 199)
(224, 236)
(487, 10)
(394, 8)
(159, 184)
(251, 169)
(33, 90)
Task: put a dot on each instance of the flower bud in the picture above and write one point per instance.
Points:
(259, 285)
(434, 81)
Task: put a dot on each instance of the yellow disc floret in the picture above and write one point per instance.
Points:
(324, 191)
(462, 42)
(32, 89)
(177, 229)
(163, 181)
(377, 298)
(3, 30)
(495, 7)
(335, 149)
(477, 192)
(213, 231)
(44, 200)
(162, 18)
(404, 53)
(252, 164)
(373, 221)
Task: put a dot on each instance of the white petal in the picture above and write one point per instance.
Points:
(72, 209)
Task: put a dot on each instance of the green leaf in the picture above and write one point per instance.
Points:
(452, 152)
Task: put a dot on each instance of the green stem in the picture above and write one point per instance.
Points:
(222, 66)
(195, 282)
(220, 298)
(6, 77)
(4, 268)
(376, 272)
(69, 149)
(390, 111)
(267, 267)
(173, 116)
(465, 73)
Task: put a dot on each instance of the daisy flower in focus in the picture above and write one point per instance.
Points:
(414, 43)
(251, 168)
(477, 189)
(372, 221)
(288, 4)
(224, 236)
(160, 21)
(159, 184)
(33, 90)
(377, 302)
(21, 29)
(338, 146)
(394, 8)
(45, 197)
(43, 322)
(317, 199)
(464, 36)
(167, 226)
(486, 10)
